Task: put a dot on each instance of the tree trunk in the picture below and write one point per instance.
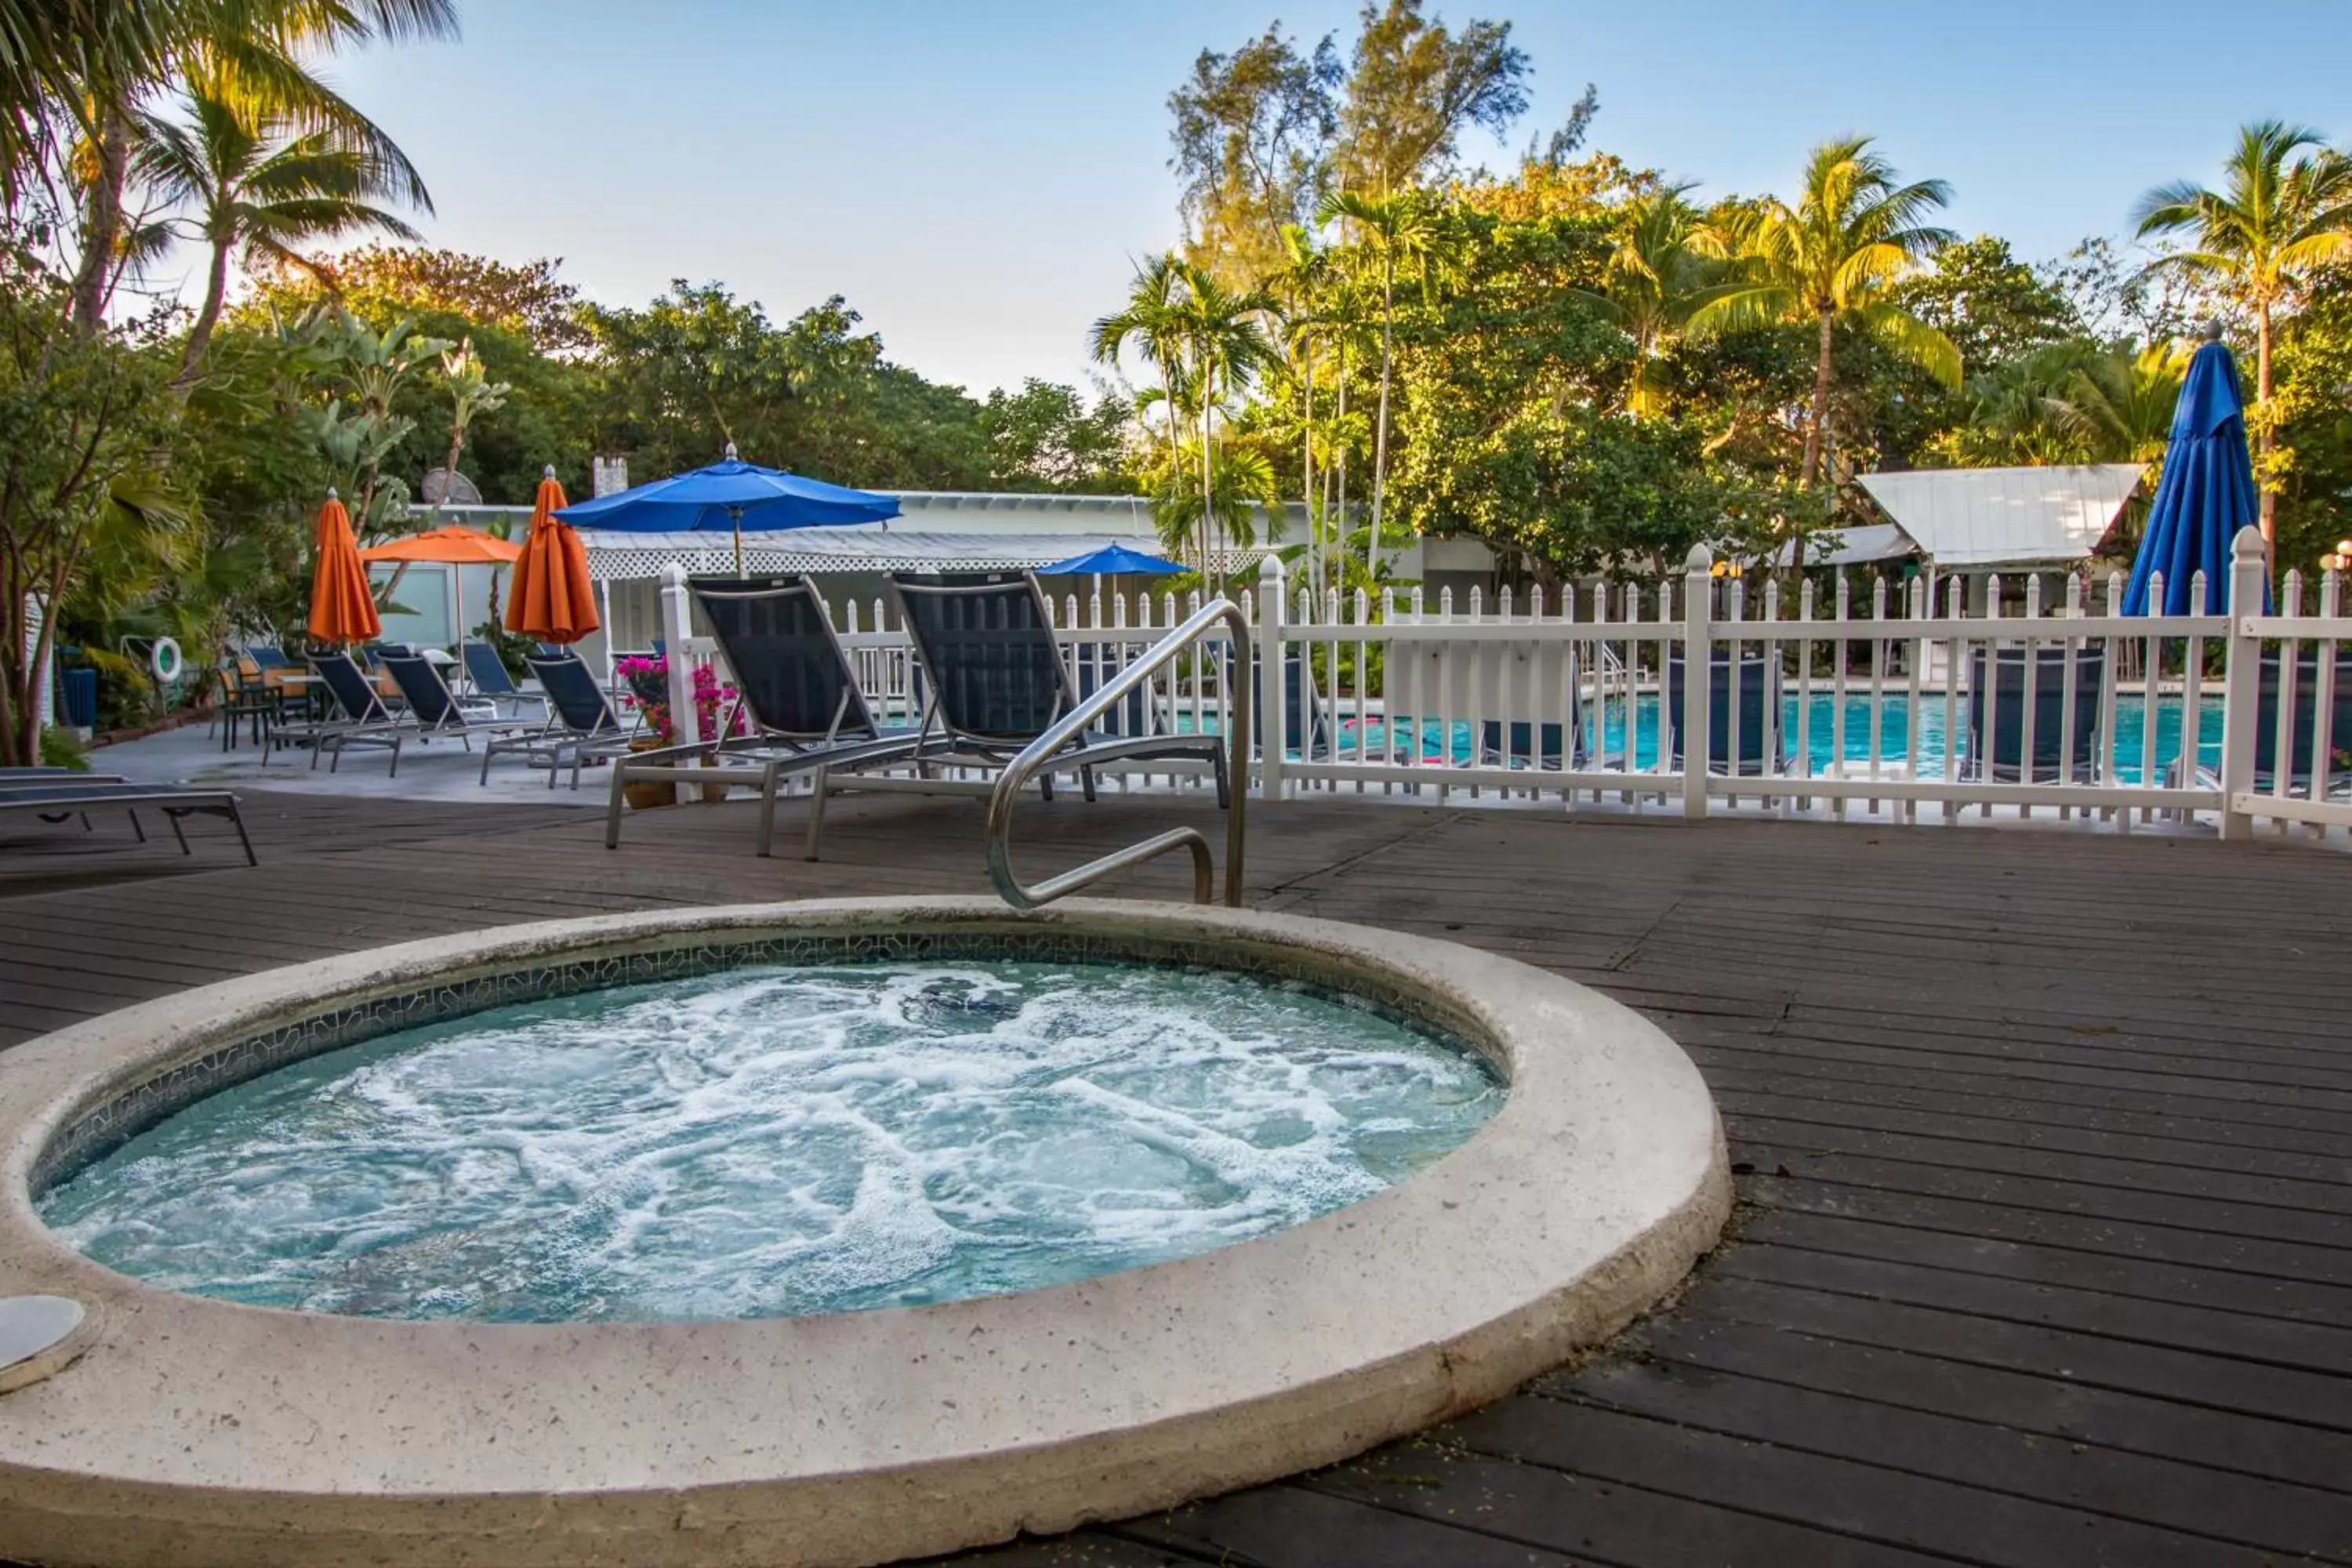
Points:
(2262, 398)
(449, 473)
(101, 227)
(1380, 425)
(1212, 570)
(1817, 433)
(1340, 423)
(1307, 466)
(201, 334)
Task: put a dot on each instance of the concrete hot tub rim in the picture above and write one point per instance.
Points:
(194, 1431)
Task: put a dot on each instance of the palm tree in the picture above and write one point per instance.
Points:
(1225, 346)
(1149, 321)
(2119, 405)
(1658, 274)
(472, 393)
(89, 72)
(1835, 256)
(2285, 211)
(261, 190)
(1402, 232)
(1300, 283)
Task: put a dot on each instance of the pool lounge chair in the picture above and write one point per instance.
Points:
(1762, 749)
(364, 721)
(434, 710)
(53, 800)
(581, 724)
(488, 675)
(2303, 739)
(2059, 756)
(993, 681)
(1550, 744)
(795, 686)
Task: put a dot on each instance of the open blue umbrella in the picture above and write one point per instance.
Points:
(1111, 561)
(2206, 493)
(732, 495)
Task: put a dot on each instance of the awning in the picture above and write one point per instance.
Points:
(2005, 516)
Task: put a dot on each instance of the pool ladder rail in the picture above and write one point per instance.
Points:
(1039, 754)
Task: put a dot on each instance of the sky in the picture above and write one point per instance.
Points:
(979, 178)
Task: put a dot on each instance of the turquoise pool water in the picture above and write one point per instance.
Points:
(1833, 732)
(779, 1141)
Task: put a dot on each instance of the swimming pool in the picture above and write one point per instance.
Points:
(1832, 732)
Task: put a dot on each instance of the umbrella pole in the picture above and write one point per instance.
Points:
(735, 516)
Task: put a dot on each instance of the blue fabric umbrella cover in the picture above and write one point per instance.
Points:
(730, 496)
(2206, 496)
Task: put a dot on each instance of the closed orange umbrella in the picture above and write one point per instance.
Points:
(343, 609)
(551, 598)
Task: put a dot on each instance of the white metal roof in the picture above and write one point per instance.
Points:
(622, 557)
(1863, 543)
(2001, 517)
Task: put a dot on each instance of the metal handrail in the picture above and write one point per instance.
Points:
(1040, 753)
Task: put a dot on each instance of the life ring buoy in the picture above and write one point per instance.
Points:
(165, 662)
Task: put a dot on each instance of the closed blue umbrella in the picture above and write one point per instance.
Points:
(2206, 493)
(730, 495)
(1111, 561)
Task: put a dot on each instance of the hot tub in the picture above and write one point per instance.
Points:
(1471, 1222)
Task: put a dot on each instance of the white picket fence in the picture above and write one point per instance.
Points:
(1879, 704)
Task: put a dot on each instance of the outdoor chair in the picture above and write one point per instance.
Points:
(581, 724)
(434, 710)
(1306, 726)
(253, 693)
(1754, 716)
(993, 681)
(488, 675)
(2303, 745)
(365, 719)
(794, 685)
(54, 799)
(1557, 745)
(32, 777)
(2060, 755)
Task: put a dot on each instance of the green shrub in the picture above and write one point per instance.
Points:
(61, 748)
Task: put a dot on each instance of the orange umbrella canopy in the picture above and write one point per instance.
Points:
(551, 598)
(451, 546)
(343, 609)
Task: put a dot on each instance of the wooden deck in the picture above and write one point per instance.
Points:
(2044, 1144)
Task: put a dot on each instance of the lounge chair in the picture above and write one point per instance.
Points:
(2059, 756)
(53, 800)
(2303, 743)
(36, 775)
(993, 681)
(365, 720)
(581, 724)
(486, 673)
(1759, 751)
(1554, 744)
(808, 712)
(434, 710)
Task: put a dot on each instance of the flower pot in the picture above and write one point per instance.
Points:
(645, 795)
(712, 793)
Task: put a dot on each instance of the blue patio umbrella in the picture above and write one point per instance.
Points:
(1111, 561)
(2206, 493)
(731, 495)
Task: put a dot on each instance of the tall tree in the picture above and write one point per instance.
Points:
(1152, 322)
(1835, 257)
(2285, 211)
(1401, 232)
(1225, 347)
(1660, 271)
(1414, 86)
(261, 190)
(1252, 134)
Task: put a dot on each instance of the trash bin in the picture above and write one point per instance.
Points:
(78, 704)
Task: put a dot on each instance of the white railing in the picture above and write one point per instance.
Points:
(1883, 703)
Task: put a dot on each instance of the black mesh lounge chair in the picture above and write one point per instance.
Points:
(796, 688)
(362, 720)
(1547, 744)
(491, 682)
(18, 777)
(2060, 756)
(434, 710)
(1757, 714)
(53, 800)
(581, 724)
(995, 681)
(2303, 744)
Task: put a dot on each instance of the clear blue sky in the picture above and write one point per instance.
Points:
(977, 177)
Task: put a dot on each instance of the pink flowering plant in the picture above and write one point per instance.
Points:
(649, 679)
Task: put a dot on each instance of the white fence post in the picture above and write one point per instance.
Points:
(2241, 686)
(1698, 680)
(677, 630)
(1274, 720)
